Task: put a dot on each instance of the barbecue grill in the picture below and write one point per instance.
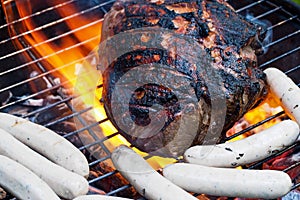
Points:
(31, 87)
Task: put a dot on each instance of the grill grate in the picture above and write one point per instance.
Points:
(21, 61)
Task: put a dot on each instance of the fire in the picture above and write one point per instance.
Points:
(268, 108)
(72, 55)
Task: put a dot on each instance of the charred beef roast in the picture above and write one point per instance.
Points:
(231, 43)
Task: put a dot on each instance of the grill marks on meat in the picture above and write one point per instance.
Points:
(214, 25)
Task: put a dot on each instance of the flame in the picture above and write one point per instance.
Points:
(270, 107)
(72, 55)
(68, 53)
(65, 49)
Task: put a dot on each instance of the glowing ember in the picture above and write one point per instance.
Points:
(69, 45)
(72, 54)
(267, 109)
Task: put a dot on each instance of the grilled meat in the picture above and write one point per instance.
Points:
(230, 42)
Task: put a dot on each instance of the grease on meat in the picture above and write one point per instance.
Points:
(229, 40)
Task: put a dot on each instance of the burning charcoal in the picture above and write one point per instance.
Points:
(96, 152)
(64, 127)
(40, 84)
(34, 102)
(50, 99)
(18, 110)
(81, 138)
(76, 140)
(51, 114)
(111, 182)
(93, 190)
(38, 102)
(285, 160)
(204, 197)
(239, 126)
(93, 152)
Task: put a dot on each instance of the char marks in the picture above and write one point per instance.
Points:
(217, 29)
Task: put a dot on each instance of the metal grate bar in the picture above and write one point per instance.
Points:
(283, 22)
(85, 128)
(47, 107)
(291, 167)
(36, 13)
(91, 132)
(79, 44)
(68, 117)
(254, 126)
(34, 95)
(266, 13)
(60, 36)
(273, 156)
(65, 34)
(88, 126)
(29, 80)
(99, 141)
(102, 177)
(295, 186)
(104, 10)
(292, 70)
(56, 22)
(280, 57)
(99, 160)
(57, 69)
(52, 39)
(118, 190)
(27, 48)
(48, 56)
(283, 38)
(82, 121)
(249, 6)
(7, 1)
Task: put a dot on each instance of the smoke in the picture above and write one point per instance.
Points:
(266, 36)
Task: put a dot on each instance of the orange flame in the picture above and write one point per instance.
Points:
(268, 108)
(83, 35)
(67, 52)
(68, 55)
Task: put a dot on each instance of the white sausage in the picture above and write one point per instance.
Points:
(286, 90)
(23, 183)
(267, 184)
(247, 150)
(46, 142)
(64, 182)
(99, 197)
(144, 178)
